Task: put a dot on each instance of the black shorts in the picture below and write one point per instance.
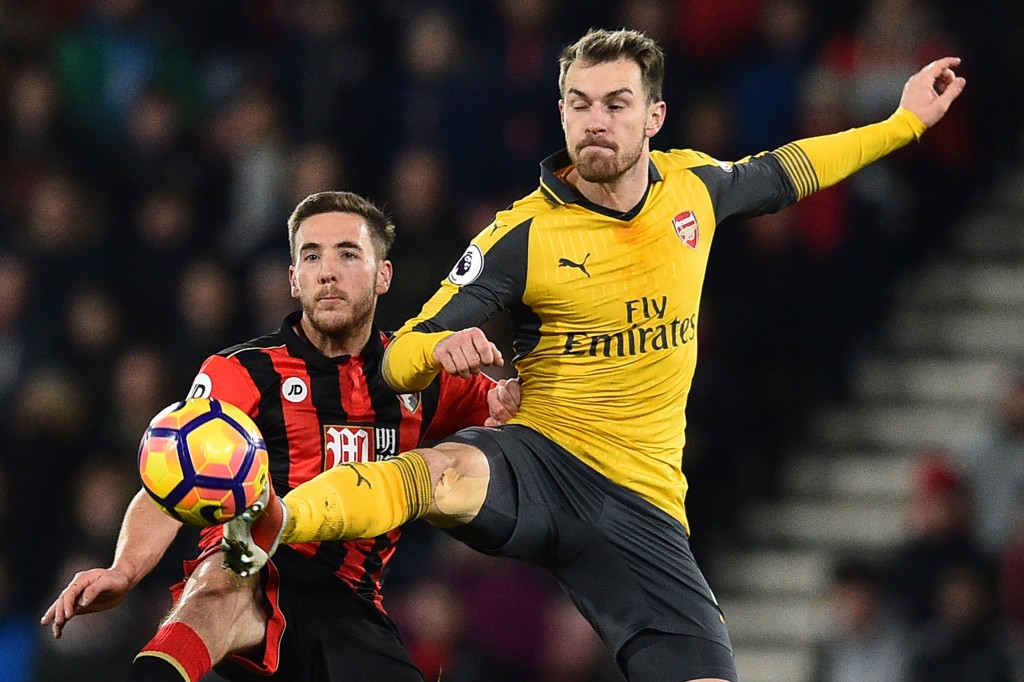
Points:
(320, 630)
(625, 563)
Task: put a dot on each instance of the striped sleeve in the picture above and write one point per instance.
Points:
(819, 162)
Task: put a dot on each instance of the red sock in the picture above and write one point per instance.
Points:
(179, 645)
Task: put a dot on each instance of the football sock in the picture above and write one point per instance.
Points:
(174, 654)
(355, 501)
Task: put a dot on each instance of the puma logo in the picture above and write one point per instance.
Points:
(360, 479)
(582, 267)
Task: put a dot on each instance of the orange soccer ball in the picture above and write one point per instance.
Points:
(203, 461)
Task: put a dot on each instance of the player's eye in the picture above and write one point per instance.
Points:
(311, 257)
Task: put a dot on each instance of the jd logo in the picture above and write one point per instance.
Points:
(294, 390)
(582, 267)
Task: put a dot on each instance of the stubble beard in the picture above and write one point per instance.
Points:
(602, 168)
(342, 322)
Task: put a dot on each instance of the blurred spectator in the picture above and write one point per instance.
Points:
(765, 92)
(206, 321)
(421, 205)
(64, 232)
(995, 471)
(434, 97)
(18, 635)
(938, 542)
(100, 649)
(47, 440)
(963, 642)
(16, 342)
(865, 643)
(431, 617)
(503, 605)
(35, 134)
(250, 137)
(334, 66)
(572, 651)
(315, 167)
(104, 488)
(121, 48)
(160, 151)
(1011, 600)
(154, 255)
(267, 295)
(138, 389)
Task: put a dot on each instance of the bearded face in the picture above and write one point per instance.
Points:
(607, 118)
(604, 161)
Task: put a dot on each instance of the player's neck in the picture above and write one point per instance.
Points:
(621, 194)
(351, 342)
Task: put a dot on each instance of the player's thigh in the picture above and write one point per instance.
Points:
(225, 611)
(460, 474)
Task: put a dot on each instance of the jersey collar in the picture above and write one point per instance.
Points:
(301, 348)
(553, 168)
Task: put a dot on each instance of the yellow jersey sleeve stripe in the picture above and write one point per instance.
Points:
(799, 168)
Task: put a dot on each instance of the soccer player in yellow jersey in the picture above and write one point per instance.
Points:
(601, 268)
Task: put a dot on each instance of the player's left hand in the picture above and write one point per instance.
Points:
(930, 92)
(503, 401)
(89, 591)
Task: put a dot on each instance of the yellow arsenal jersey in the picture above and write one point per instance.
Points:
(605, 305)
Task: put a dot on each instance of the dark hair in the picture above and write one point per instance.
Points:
(599, 46)
(382, 230)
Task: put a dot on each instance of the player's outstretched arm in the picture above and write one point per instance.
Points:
(929, 93)
(145, 535)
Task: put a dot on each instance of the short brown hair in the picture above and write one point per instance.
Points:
(600, 45)
(382, 230)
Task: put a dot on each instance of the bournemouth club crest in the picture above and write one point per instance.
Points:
(685, 225)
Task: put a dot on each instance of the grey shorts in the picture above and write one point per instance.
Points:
(625, 563)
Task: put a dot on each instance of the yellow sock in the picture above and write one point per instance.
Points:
(355, 501)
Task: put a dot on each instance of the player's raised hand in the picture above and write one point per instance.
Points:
(467, 352)
(930, 92)
(97, 589)
(503, 401)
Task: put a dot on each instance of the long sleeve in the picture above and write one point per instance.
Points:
(412, 367)
(819, 162)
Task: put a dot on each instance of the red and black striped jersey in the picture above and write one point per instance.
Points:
(317, 412)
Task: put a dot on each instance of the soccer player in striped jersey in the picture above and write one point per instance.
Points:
(602, 268)
(315, 390)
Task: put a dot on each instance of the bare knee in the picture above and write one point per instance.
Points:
(459, 474)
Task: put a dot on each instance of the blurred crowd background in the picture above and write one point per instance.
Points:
(151, 151)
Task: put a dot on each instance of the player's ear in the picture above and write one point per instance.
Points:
(655, 118)
(293, 282)
(384, 272)
(561, 112)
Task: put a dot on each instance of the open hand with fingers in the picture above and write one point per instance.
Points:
(930, 92)
(97, 589)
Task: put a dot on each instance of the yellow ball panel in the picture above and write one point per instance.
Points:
(159, 464)
(217, 449)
